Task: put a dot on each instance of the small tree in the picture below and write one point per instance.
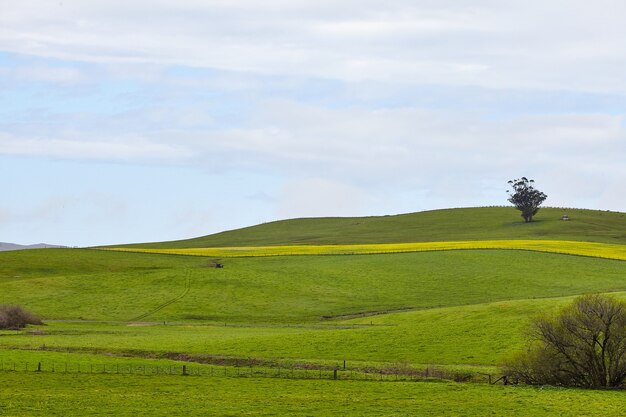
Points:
(584, 346)
(526, 198)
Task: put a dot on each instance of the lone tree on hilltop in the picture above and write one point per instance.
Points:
(525, 197)
(584, 346)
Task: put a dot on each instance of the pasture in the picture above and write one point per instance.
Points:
(107, 285)
(267, 332)
(106, 395)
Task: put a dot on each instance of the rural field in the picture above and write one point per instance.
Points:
(394, 315)
(312, 208)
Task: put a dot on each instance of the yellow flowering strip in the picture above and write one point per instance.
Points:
(594, 249)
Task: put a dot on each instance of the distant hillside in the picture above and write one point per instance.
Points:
(436, 225)
(4, 246)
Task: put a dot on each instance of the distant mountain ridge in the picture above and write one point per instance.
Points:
(5, 246)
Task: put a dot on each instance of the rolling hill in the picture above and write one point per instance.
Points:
(463, 305)
(484, 223)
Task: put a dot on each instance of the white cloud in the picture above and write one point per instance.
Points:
(124, 149)
(5, 215)
(316, 197)
(192, 221)
(574, 45)
(356, 153)
(444, 154)
(53, 215)
(396, 142)
(50, 74)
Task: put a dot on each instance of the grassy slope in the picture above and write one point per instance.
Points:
(77, 283)
(483, 334)
(94, 284)
(437, 225)
(106, 395)
(74, 283)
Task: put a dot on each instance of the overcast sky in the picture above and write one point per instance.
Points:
(144, 120)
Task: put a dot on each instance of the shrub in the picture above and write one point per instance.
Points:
(15, 317)
(583, 346)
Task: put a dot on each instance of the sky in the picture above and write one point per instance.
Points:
(150, 120)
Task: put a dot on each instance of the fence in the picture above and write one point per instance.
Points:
(251, 371)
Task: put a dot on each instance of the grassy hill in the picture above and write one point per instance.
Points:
(482, 223)
(105, 285)
(459, 310)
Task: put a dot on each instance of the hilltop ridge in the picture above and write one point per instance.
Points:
(476, 223)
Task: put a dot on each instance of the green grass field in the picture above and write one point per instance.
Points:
(73, 283)
(462, 312)
(482, 334)
(105, 395)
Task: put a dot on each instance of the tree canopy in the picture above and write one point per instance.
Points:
(584, 346)
(525, 197)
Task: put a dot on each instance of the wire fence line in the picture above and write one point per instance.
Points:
(244, 371)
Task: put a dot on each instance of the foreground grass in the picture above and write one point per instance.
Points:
(469, 310)
(131, 395)
(484, 223)
(106, 285)
(465, 310)
(593, 249)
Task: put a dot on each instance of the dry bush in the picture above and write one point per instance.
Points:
(583, 346)
(15, 317)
